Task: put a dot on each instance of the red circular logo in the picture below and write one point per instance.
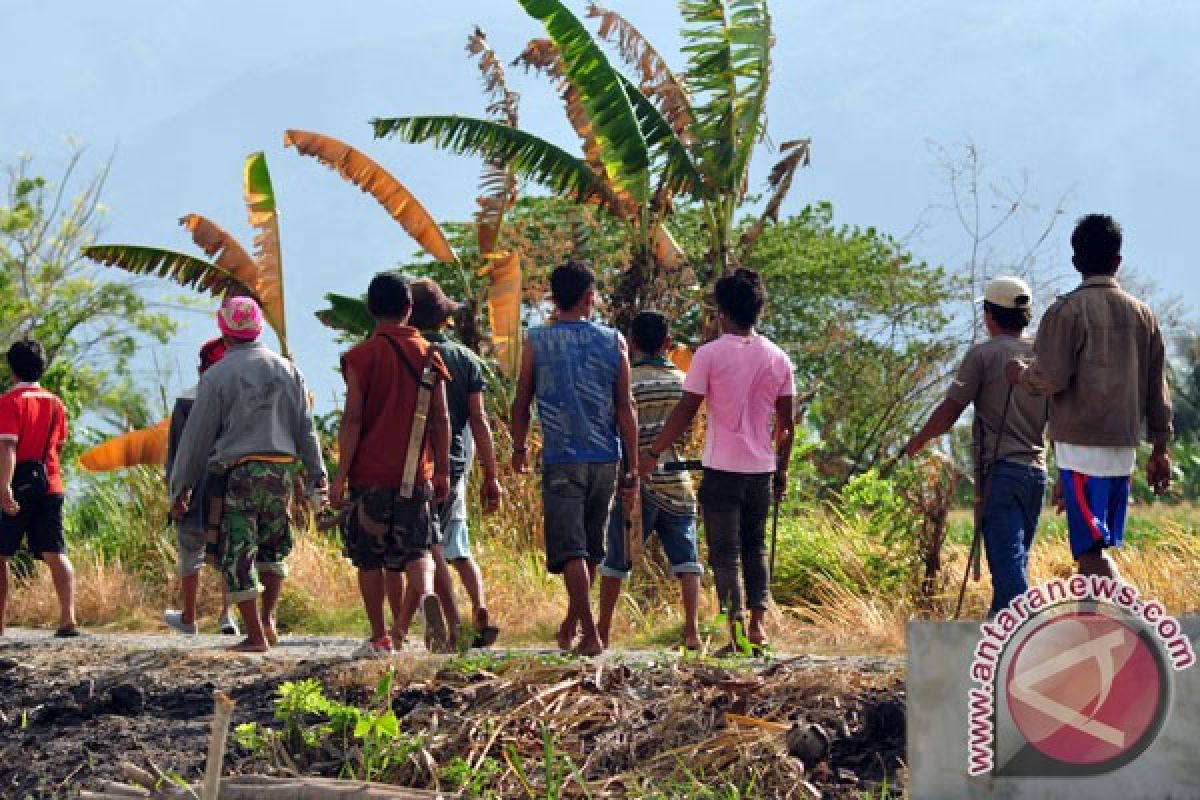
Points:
(1084, 689)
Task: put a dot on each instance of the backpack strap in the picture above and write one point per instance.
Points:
(426, 381)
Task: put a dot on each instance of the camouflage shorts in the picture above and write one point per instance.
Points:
(385, 531)
(256, 529)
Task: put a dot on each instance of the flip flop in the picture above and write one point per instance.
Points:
(485, 637)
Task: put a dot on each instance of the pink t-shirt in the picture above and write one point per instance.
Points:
(740, 378)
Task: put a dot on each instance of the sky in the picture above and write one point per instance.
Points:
(1089, 107)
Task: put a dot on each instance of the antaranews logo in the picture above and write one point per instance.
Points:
(1073, 678)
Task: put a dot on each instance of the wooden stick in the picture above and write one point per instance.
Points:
(222, 717)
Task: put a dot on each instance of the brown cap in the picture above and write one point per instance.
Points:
(430, 306)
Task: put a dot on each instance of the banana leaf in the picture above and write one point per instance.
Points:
(503, 272)
(264, 216)
(187, 271)
(362, 171)
(602, 92)
(658, 83)
(145, 446)
(347, 314)
(529, 156)
(218, 244)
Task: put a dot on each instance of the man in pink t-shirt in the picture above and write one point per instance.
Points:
(747, 383)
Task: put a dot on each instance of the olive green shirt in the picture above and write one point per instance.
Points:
(980, 382)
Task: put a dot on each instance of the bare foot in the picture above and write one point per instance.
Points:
(757, 636)
(249, 646)
(589, 646)
(269, 632)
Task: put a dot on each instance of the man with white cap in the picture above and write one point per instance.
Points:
(252, 425)
(1008, 437)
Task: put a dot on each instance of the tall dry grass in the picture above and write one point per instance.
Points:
(840, 584)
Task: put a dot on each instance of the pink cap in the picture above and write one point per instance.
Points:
(240, 318)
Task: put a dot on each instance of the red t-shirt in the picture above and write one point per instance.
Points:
(390, 398)
(26, 413)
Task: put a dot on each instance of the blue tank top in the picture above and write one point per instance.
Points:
(575, 373)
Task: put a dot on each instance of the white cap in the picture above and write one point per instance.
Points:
(1008, 292)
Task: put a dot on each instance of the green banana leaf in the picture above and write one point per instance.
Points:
(187, 271)
(263, 215)
(532, 157)
(602, 92)
(728, 43)
(347, 314)
(679, 172)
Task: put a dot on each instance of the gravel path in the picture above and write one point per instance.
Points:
(294, 648)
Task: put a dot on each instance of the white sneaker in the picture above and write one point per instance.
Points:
(375, 648)
(228, 624)
(174, 620)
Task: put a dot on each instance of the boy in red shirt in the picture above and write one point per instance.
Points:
(388, 525)
(33, 428)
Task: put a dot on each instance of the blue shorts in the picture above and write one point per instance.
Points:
(452, 523)
(1096, 509)
(677, 532)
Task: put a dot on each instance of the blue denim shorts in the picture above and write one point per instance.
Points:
(677, 532)
(451, 516)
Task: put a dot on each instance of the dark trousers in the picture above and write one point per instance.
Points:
(736, 506)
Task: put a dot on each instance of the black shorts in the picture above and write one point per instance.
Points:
(383, 530)
(42, 521)
(576, 500)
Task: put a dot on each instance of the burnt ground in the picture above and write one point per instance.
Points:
(71, 711)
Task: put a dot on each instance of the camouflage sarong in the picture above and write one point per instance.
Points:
(384, 530)
(256, 528)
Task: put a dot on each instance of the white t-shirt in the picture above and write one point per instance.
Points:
(1098, 462)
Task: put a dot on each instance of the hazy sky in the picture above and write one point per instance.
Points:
(1094, 102)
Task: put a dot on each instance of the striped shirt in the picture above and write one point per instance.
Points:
(657, 387)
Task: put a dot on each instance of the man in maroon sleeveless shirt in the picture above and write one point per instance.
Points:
(384, 530)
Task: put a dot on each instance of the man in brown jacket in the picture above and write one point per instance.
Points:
(1099, 356)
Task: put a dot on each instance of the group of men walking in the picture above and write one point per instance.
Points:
(244, 448)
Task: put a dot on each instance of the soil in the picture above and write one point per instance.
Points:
(72, 710)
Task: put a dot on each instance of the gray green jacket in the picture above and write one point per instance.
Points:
(252, 403)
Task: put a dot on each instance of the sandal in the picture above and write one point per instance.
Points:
(485, 635)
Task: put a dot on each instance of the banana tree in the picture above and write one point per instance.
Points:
(501, 269)
(233, 270)
(689, 136)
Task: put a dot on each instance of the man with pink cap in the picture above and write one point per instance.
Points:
(251, 425)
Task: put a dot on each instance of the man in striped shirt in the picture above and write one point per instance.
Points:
(668, 500)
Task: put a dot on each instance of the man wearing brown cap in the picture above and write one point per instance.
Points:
(1009, 431)
(431, 314)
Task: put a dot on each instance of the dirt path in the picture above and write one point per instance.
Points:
(70, 710)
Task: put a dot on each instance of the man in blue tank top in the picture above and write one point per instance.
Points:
(578, 372)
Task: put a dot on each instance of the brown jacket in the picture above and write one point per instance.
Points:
(1099, 355)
